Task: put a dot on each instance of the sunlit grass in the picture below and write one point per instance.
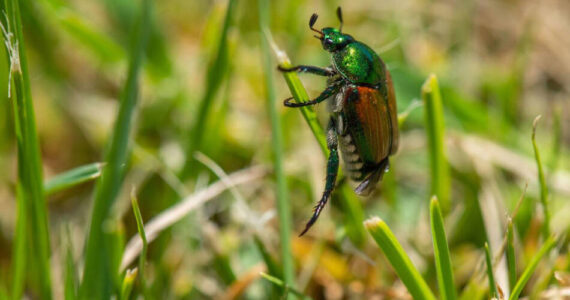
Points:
(210, 84)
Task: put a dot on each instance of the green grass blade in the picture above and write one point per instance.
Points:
(441, 253)
(435, 129)
(398, 258)
(128, 282)
(542, 181)
(529, 270)
(97, 282)
(492, 284)
(142, 234)
(72, 178)
(284, 286)
(29, 186)
(300, 95)
(216, 73)
(19, 250)
(283, 207)
(511, 259)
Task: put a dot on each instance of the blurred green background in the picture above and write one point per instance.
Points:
(202, 89)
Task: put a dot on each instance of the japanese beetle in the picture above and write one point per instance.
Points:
(362, 103)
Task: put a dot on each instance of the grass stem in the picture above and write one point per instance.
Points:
(542, 182)
(441, 253)
(32, 224)
(435, 129)
(283, 207)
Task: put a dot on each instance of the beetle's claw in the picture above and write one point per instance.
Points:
(287, 102)
(309, 225)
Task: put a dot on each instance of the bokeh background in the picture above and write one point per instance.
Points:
(500, 63)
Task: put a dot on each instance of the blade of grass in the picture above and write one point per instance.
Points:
(398, 258)
(128, 282)
(492, 284)
(542, 181)
(435, 129)
(283, 207)
(300, 95)
(215, 75)
(511, 259)
(529, 270)
(72, 178)
(96, 279)
(178, 211)
(29, 186)
(19, 250)
(441, 253)
(284, 286)
(142, 234)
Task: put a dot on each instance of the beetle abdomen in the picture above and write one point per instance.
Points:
(352, 159)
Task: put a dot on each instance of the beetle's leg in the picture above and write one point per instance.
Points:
(329, 91)
(332, 171)
(369, 183)
(308, 69)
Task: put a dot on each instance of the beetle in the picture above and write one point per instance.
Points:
(362, 103)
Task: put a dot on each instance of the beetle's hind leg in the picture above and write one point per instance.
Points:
(369, 183)
(308, 69)
(332, 171)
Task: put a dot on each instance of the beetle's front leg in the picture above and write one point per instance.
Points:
(332, 171)
(308, 69)
(329, 91)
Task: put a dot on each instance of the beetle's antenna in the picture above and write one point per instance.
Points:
(312, 22)
(339, 15)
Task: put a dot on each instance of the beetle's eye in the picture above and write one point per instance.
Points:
(328, 41)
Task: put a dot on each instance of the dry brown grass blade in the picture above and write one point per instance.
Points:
(188, 204)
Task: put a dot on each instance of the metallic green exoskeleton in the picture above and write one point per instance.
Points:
(362, 102)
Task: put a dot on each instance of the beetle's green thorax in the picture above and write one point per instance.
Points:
(334, 40)
(359, 64)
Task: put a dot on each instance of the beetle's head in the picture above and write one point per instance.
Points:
(332, 39)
